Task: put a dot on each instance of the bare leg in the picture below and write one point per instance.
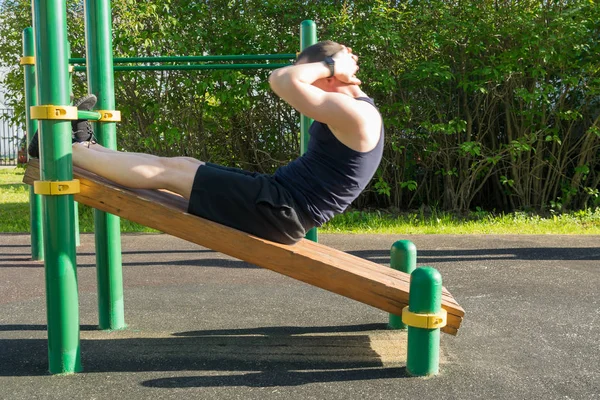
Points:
(97, 147)
(139, 171)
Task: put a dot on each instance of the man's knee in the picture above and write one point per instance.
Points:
(179, 174)
(183, 164)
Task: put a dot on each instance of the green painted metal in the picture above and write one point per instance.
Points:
(35, 201)
(98, 34)
(89, 115)
(308, 37)
(403, 257)
(246, 57)
(425, 297)
(192, 67)
(76, 204)
(51, 64)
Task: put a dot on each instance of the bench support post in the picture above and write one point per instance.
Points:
(403, 257)
(425, 300)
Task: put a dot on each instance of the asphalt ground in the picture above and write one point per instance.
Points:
(202, 325)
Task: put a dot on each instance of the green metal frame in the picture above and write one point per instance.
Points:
(308, 37)
(58, 222)
(98, 39)
(238, 57)
(75, 205)
(35, 201)
(50, 31)
(190, 67)
(189, 59)
(403, 257)
(423, 351)
(56, 213)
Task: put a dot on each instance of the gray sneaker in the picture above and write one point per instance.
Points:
(82, 129)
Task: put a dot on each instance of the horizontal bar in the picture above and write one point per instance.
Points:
(125, 60)
(89, 115)
(100, 115)
(189, 67)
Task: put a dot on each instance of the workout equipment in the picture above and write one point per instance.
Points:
(35, 201)
(424, 317)
(307, 261)
(403, 257)
(308, 37)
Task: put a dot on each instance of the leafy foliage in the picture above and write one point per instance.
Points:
(489, 104)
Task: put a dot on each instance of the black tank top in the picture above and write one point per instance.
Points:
(329, 175)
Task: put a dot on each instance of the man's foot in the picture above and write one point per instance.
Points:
(34, 148)
(82, 129)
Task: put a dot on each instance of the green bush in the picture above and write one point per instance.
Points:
(489, 104)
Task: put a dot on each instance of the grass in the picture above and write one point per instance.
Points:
(14, 217)
(14, 207)
(575, 223)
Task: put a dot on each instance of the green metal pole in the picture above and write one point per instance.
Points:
(76, 204)
(191, 67)
(98, 35)
(35, 200)
(308, 37)
(161, 59)
(403, 257)
(423, 355)
(51, 64)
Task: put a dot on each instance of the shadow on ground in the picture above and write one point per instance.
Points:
(533, 253)
(257, 357)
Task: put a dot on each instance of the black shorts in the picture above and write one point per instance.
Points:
(248, 201)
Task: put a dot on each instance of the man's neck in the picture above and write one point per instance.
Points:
(353, 91)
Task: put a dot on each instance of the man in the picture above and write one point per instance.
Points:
(343, 154)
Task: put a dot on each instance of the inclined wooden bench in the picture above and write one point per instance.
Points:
(342, 273)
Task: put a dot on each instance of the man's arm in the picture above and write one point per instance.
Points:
(341, 112)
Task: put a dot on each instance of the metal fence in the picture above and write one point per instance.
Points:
(12, 139)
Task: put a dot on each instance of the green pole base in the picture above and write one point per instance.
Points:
(67, 364)
(423, 354)
(395, 323)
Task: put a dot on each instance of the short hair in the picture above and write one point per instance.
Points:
(319, 51)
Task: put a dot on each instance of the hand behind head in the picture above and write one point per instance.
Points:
(346, 66)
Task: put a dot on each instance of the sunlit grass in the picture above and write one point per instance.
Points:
(14, 207)
(14, 217)
(577, 222)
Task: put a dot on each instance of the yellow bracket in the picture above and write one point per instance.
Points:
(426, 321)
(55, 188)
(53, 112)
(109, 115)
(27, 60)
(71, 68)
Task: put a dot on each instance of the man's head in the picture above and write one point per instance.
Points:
(317, 52)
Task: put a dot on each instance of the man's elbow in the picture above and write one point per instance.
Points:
(275, 78)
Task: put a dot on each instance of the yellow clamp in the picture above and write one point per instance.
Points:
(27, 60)
(55, 188)
(426, 321)
(71, 68)
(109, 115)
(53, 112)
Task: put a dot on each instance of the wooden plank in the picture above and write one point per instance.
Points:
(318, 265)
